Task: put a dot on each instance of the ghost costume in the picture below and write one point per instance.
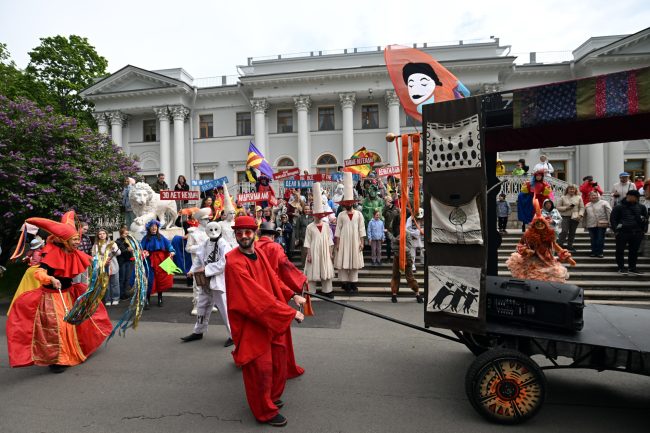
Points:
(196, 237)
(212, 257)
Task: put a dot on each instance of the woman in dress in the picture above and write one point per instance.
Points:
(156, 249)
(37, 333)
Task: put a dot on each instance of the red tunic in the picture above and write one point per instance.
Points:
(294, 279)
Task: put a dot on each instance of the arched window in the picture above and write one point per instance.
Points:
(285, 162)
(326, 163)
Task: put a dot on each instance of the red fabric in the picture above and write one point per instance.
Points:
(632, 93)
(22, 317)
(295, 280)
(257, 305)
(162, 281)
(350, 215)
(264, 380)
(320, 228)
(65, 263)
(63, 231)
(586, 188)
(601, 96)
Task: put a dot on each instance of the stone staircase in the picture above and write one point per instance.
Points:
(597, 276)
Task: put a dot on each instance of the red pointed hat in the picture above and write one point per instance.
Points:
(63, 231)
(69, 218)
(245, 222)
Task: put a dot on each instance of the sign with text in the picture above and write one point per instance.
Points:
(179, 195)
(388, 171)
(286, 173)
(298, 183)
(250, 197)
(212, 184)
(338, 177)
(314, 177)
(359, 161)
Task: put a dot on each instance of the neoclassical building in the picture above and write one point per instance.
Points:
(314, 110)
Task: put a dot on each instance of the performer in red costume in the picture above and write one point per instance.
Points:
(289, 275)
(259, 319)
(36, 331)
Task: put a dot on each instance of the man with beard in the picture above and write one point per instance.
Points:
(211, 262)
(260, 319)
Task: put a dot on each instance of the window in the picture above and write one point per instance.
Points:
(325, 118)
(149, 130)
(285, 121)
(559, 169)
(206, 176)
(635, 167)
(205, 126)
(241, 176)
(326, 164)
(370, 116)
(286, 162)
(150, 178)
(243, 123)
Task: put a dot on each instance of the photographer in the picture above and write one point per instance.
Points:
(630, 221)
(587, 187)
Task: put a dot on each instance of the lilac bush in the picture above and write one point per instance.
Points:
(49, 164)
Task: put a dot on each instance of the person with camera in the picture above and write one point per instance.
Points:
(589, 185)
(629, 220)
(572, 209)
(620, 189)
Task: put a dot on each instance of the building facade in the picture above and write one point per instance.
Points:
(312, 111)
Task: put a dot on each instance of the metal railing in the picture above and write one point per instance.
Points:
(511, 185)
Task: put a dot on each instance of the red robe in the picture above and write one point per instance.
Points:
(36, 331)
(294, 279)
(259, 320)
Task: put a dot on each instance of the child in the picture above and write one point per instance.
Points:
(376, 237)
(503, 211)
(552, 215)
(34, 255)
(102, 242)
(518, 170)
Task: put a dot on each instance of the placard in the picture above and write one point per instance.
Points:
(212, 184)
(290, 183)
(359, 161)
(286, 173)
(250, 197)
(388, 171)
(179, 195)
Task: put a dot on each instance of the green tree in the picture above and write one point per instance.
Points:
(67, 66)
(15, 83)
(50, 164)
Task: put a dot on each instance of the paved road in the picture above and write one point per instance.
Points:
(365, 375)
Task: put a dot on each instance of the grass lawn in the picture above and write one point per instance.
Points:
(10, 279)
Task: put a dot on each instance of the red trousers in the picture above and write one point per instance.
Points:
(264, 380)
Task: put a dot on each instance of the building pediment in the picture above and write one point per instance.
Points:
(634, 45)
(133, 80)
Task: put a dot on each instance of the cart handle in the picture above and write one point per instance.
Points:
(390, 319)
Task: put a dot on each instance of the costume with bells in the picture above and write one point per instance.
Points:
(534, 258)
(319, 244)
(37, 333)
(211, 260)
(260, 319)
(349, 234)
(196, 237)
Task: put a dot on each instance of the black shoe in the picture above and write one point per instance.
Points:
(600, 256)
(354, 288)
(160, 302)
(57, 368)
(419, 298)
(622, 271)
(278, 403)
(277, 421)
(593, 255)
(192, 337)
(347, 287)
(393, 299)
(328, 295)
(635, 272)
(229, 343)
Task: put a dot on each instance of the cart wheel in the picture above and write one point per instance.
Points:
(505, 386)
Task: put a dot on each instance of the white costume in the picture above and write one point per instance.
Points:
(318, 241)
(350, 231)
(196, 237)
(212, 257)
(226, 225)
(416, 236)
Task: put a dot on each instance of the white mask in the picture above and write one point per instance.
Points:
(213, 230)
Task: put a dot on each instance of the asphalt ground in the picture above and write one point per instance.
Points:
(362, 375)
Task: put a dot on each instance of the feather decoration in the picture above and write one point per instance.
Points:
(131, 316)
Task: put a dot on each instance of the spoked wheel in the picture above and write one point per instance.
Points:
(505, 386)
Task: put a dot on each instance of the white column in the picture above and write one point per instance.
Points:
(347, 106)
(260, 106)
(596, 165)
(303, 103)
(179, 113)
(392, 103)
(165, 161)
(117, 118)
(102, 123)
(615, 162)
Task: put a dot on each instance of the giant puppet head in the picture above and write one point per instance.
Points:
(213, 229)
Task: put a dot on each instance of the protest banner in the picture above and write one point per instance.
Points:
(298, 183)
(286, 173)
(179, 195)
(359, 161)
(206, 185)
(388, 171)
(250, 197)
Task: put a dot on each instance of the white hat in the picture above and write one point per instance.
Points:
(203, 213)
(227, 200)
(36, 243)
(318, 210)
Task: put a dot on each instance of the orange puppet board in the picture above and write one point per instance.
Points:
(419, 80)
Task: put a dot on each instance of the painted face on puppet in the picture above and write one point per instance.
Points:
(539, 224)
(373, 193)
(203, 222)
(420, 87)
(213, 230)
(230, 215)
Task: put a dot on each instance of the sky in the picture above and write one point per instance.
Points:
(210, 38)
